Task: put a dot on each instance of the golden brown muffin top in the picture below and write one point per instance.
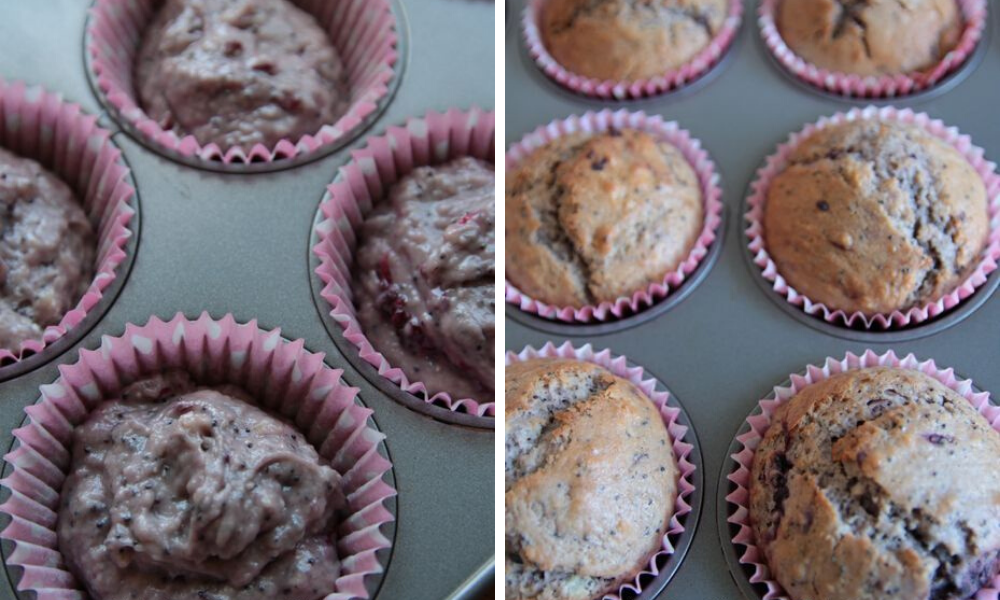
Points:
(594, 218)
(590, 479)
(628, 40)
(878, 484)
(870, 37)
(875, 216)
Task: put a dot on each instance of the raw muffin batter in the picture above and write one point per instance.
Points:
(873, 217)
(47, 249)
(870, 37)
(590, 480)
(239, 72)
(424, 277)
(878, 484)
(629, 40)
(595, 218)
(183, 493)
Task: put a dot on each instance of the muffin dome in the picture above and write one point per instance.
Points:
(628, 40)
(870, 37)
(590, 480)
(594, 218)
(878, 483)
(872, 217)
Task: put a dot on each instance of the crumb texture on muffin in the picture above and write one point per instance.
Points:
(595, 218)
(628, 40)
(424, 277)
(873, 217)
(870, 37)
(878, 484)
(239, 72)
(47, 250)
(590, 480)
(180, 492)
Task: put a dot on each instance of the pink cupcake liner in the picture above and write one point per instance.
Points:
(281, 375)
(711, 193)
(436, 138)
(39, 125)
(885, 86)
(623, 90)
(776, 164)
(618, 365)
(363, 31)
(753, 556)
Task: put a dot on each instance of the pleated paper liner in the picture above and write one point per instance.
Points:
(40, 125)
(364, 32)
(279, 374)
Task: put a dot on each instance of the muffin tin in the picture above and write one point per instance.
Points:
(240, 243)
(724, 340)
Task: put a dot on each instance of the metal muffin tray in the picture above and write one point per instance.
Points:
(730, 339)
(240, 243)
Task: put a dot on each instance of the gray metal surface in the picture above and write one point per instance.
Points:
(727, 344)
(238, 243)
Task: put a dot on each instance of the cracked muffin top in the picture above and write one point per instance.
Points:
(870, 37)
(872, 217)
(878, 484)
(590, 480)
(628, 40)
(592, 218)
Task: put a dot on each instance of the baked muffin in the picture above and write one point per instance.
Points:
(870, 37)
(47, 250)
(594, 218)
(180, 492)
(590, 480)
(873, 217)
(239, 72)
(878, 484)
(424, 277)
(628, 40)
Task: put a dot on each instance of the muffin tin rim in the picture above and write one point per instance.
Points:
(389, 529)
(124, 125)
